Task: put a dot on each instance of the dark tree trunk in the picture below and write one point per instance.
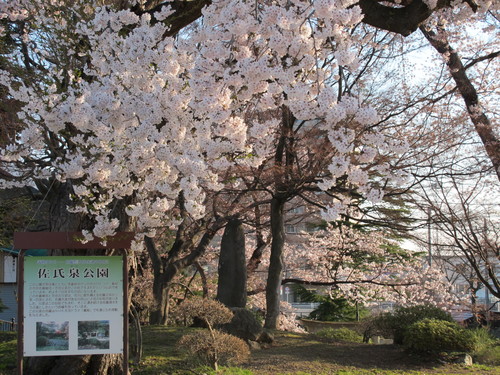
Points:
(275, 272)
(160, 294)
(284, 160)
(160, 284)
(482, 124)
(232, 282)
(165, 269)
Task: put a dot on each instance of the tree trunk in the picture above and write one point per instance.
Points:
(166, 269)
(160, 294)
(275, 272)
(232, 282)
(283, 159)
(482, 124)
(60, 220)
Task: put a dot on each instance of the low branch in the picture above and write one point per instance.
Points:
(339, 282)
(489, 56)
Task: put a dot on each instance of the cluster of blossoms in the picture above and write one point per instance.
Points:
(156, 115)
(365, 267)
(149, 116)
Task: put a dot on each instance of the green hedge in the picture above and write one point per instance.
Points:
(340, 334)
(435, 336)
(395, 324)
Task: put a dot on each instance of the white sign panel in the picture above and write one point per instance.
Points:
(73, 305)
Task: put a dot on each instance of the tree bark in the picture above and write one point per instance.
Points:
(232, 282)
(160, 285)
(283, 175)
(165, 269)
(275, 272)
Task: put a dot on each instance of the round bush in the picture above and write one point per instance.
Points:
(208, 311)
(341, 334)
(221, 348)
(396, 323)
(435, 336)
(42, 341)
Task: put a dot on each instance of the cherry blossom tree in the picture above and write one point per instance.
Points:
(471, 84)
(366, 266)
(136, 122)
(464, 222)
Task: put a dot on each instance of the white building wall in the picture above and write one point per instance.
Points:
(9, 269)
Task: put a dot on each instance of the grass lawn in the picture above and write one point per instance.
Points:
(291, 354)
(297, 354)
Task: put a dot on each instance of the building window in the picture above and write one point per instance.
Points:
(297, 210)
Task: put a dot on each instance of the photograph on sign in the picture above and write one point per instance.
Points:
(52, 336)
(73, 305)
(93, 334)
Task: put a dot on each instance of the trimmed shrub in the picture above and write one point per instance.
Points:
(340, 334)
(42, 341)
(435, 336)
(215, 348)
(396, 323)
(212, 347)
(209, 311)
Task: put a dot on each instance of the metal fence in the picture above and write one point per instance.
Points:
(6, 325)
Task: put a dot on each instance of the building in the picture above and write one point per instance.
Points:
(8, 284)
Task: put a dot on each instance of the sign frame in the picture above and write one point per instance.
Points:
(65, 241)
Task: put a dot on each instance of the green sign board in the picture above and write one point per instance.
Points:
(73, 305)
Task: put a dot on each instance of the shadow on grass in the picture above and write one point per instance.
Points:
(295, 352)
(160, 352)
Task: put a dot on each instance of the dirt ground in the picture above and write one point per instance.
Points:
(293, 353)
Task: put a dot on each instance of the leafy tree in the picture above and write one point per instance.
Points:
(330, 308)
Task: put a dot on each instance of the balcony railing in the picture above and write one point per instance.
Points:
(6, 325)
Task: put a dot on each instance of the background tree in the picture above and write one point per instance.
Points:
(366, 266)
(465, 223)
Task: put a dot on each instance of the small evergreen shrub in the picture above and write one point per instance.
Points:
(340, 334)
(396, 323)
(42, 341)
(215, 347)
(483, 339)
(211, 346)
(435, 336)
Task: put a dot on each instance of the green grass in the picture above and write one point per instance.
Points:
(8, 351)
(162, 358)
(476, 369)
(160, 355)
(488, 356)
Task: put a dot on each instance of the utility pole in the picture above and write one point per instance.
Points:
(488, 267)
(429, 246)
